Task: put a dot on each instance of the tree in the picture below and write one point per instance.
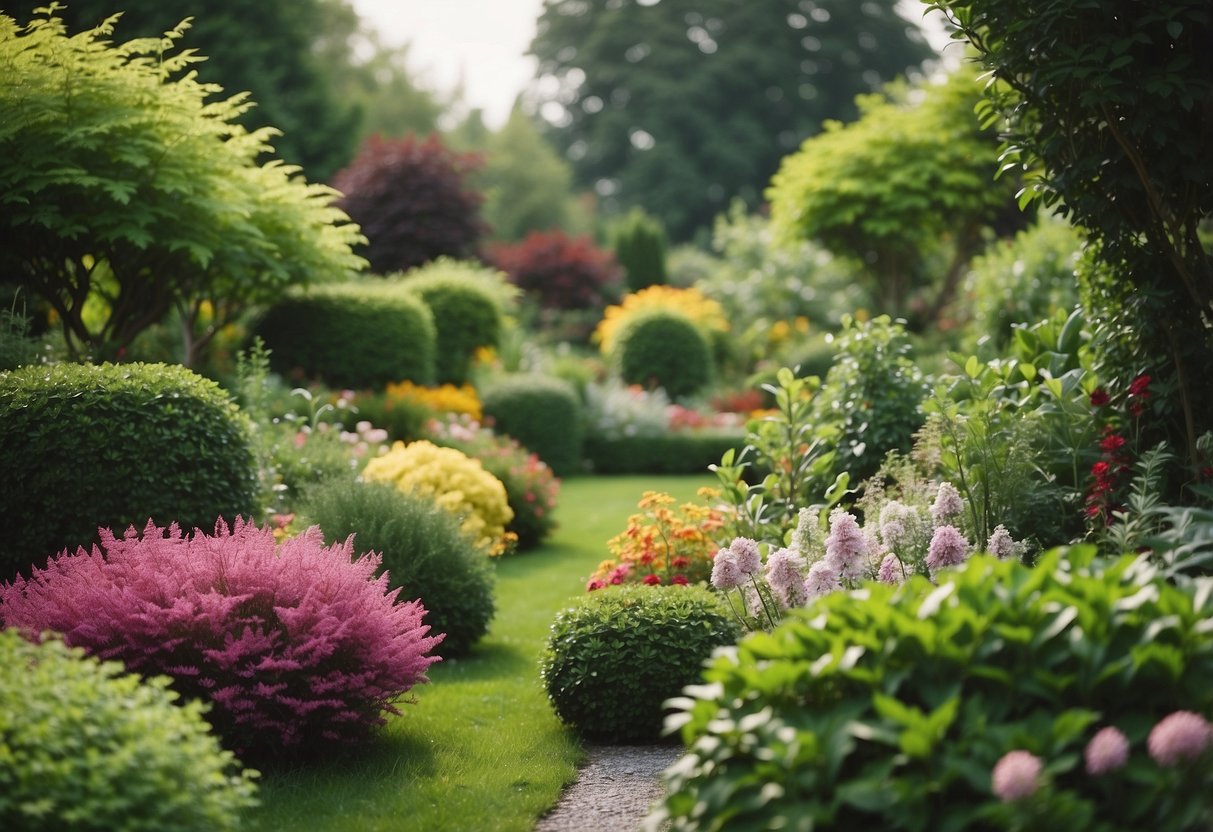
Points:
(411, 197)
(914, 170)
(1107, 110)
(679, 107)
(127, 191)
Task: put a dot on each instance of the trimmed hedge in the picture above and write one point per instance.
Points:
(676, 453)
(88, 446)
(351, 335)
(664, 348)
(542, 413)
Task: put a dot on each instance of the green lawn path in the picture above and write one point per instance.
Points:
(481, 748)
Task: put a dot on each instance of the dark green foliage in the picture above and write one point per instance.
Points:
(423, 551)
(888, 707)
(614, 658)
(351, 335)
(640, 247)
(111, 446)
(664, 348)
(675, 453)
(542, 413)
(680, 109)
(89, 747)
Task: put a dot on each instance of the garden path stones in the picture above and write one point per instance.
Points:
(613, 790)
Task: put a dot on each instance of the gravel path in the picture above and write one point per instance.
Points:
(613, 791)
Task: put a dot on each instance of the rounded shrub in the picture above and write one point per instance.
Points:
(614, 658)
(296, 645)
(1005, 697)
(640, 247)
(664, 348)
(87, 746)
(456, 482)
(89, 446)
(424, 552)
(542, 413)
(351, 335)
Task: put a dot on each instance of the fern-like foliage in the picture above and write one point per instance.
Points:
(296, 644)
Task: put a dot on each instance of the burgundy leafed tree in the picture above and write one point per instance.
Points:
(559, 271)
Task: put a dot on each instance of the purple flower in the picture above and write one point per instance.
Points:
(1016, 776)
(846, 546)
(1000, 544)
(725, 572)
(746, 552)
(784, 569)
(947, 504)
(899, 524)
(822, 580)
(891, 570)
(1180, 736)
(948, 548)
(1107, 751)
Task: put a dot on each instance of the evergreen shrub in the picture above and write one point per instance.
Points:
(614, 657)
(89, 446)
(424, 552)
(666, 349)
(542, 413)
(891, 707)
(673, 453)
(351, 335)
(298, 646)
(89, 747)
(640, 247)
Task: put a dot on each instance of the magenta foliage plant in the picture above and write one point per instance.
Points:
(295, 644)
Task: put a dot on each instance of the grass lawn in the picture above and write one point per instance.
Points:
(481, 749)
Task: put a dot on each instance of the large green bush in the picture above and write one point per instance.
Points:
(86, 746)
(423, 548)
(889, 707)
(665, 348)
(351, 335)
(613, 659)
(673, 453)
(542, 413)
(111, 446)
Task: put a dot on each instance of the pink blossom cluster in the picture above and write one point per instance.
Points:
(295, 643)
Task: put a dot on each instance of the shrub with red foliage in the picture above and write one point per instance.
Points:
(411, 199)
(295, 644)
(559, 271)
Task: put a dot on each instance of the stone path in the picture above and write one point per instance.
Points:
(613, 791)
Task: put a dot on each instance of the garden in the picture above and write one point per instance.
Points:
(361, 493)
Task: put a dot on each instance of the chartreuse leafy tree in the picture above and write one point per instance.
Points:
(1106, 108)
(129, 190)
(913, 173)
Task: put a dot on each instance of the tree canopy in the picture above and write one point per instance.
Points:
(127, 189)
(679, 107)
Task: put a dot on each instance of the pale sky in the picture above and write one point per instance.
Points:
(483, 41)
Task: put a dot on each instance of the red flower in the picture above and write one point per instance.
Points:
(652, 580)
(680, 562)
(595, 584)
(1099, 397)
(1140, 386)
(1099, 470)
(680, 580)
(1112, 442)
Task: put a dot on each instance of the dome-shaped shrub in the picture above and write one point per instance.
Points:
(614, 658)
(455, 481)
(86, 746)
(351, 335)
(543, 413)
(297, 645)
(88, 446)
(664, 348)
(424, 552)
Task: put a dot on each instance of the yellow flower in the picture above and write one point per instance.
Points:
(702, 310)
(445, 399)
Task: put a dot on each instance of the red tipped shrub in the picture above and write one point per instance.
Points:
(295, 643)
(559, 271)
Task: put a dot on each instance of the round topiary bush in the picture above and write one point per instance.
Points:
(615, 657)
(86, 746)
(424, 552)
(111, 446)
(542, 413)
(351, 335)
(1005, 697)
(298, 646)
(664, 348)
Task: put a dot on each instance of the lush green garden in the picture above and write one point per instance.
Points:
(890, 498)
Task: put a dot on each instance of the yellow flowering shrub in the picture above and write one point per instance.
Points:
(704, 312)
(456, 482)
(444, 399)
(663, 543)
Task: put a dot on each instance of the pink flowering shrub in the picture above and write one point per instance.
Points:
(295, 644)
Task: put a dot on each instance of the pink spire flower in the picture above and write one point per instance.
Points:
(1180, 736)
(746, 552)
(1016, 776)
(1107, 751)
(725, 572)
(948, 548)
(947, 504)
(899, 524)
(1001, 545)
(891, 571)
(846, 546)
(784, 569)
(822, 580)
